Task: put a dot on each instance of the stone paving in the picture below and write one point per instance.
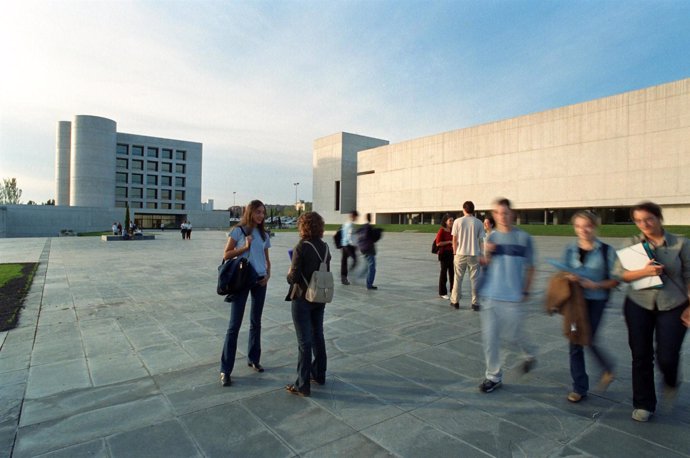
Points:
(118, 349)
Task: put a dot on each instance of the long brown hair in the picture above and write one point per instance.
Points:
(247, 220)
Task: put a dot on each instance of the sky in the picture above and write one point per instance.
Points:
(258, 81)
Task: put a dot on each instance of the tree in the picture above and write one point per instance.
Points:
(49, 202)
(126, 228)
(9, 193)
(31, 202)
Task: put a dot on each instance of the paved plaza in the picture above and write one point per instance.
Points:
(117, 355)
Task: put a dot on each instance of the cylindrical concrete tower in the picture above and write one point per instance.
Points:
(62, 160)
(92, 164)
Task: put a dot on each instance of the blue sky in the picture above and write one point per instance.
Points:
(257, 81)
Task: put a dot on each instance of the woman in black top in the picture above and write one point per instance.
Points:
(307, 316)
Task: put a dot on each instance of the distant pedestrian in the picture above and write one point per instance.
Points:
(348, 249)
(444, 242)
(510, 258)
(368, 235)
(114, 228)
(659, 315)
(188, 234)
(468, 236)
(307, 317)
(183, 229)
(119, 228)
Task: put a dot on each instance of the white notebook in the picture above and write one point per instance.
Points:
(635, 258)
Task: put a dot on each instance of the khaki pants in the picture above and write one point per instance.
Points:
(461, 264)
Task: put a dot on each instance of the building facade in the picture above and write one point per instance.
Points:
(96, 166)
(606, 155)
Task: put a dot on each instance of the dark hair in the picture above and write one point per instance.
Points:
(649, 207)
(492, 223)
(444, 221)
(310, 226)
(354, 213)
(246, 219)
(586, 214)
(502, 201)
(368, 217)
(468, 206)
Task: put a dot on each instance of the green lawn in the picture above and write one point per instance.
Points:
(9, 272)
(15, 281)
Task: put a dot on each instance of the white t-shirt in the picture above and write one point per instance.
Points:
(470, 232)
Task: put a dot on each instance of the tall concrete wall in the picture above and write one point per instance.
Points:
(62, 162)
(610, 152)
(92, 162)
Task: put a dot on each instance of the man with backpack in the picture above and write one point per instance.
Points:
(368, 236)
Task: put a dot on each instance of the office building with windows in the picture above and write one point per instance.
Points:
(606, 155)
(96, 166)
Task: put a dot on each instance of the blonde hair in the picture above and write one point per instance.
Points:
(586, 214)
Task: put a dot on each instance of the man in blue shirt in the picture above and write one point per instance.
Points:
(348, 247)
(510, 267)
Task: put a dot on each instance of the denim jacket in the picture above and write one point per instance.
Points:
(593, 268)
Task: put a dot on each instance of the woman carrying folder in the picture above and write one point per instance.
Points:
(663, 310)
(591, 261)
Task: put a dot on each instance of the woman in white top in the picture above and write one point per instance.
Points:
(248, 239)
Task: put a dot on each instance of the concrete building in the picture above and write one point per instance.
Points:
(99, 171)
(606, 154)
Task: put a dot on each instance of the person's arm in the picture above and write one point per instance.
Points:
(264, 281)
(231, 249)
(455, 243)
(529, 275)
(294, 274)
(652, 268)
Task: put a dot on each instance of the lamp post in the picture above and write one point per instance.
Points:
(233, 202)
(296, 201)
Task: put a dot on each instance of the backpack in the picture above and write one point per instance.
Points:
(338, 238)
(434, 247)
(320, 286)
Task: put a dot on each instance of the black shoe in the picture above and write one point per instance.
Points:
(488, 386)
(372, 287)
(225, 379)
(528, 365)
(256, 366)
(455, 305)
(476, 307)
(292, 389)
(313, 380)
(345, 281)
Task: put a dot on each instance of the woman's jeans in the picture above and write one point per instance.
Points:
(447, 273)
(308, 320)
(595, 310)
(644, 327)
(237, 306)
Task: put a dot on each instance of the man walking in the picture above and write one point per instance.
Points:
(348, 247)
(368, 236)
(510, 258)
(468, 233)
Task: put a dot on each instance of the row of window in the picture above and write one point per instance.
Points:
(138, 178)
(138, 204)
(151, 166)
(138, 193)
(151, 151)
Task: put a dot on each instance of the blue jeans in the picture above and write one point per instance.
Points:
(237, 306)
(371, 269)
(595, 309)
(308, 320)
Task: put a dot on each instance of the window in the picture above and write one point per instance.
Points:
(179, 206)
(151, 194)
(179, 182)
(151, 205)
(337, 195)
(121, 163)
(166, 206)
(137, 205)
(137, 178)
(166, 167)
(121, 203)
(152, 166)
(179, 195)
(120, 177)
(152, 179)
(167, 153)
(137, 193)
(137, 150)
(151, 152)
(137, 164)
(120, 191)
(166, 194)
(179, 168)
(166, 180)
(122, 149)
(180, 155)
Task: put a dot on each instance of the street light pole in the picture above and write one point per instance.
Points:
(296, 201)
(233, 202)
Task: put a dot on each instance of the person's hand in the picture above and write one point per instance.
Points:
(489, 247)
(588, 284)
(571, 277)
(685, 317)
(264, 281)
(653, 268)
(248, 242)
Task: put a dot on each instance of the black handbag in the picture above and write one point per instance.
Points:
(233, 276)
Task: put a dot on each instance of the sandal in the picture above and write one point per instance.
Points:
(292, 389)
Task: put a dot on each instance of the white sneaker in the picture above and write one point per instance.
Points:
(641, 415)
(445, 296)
